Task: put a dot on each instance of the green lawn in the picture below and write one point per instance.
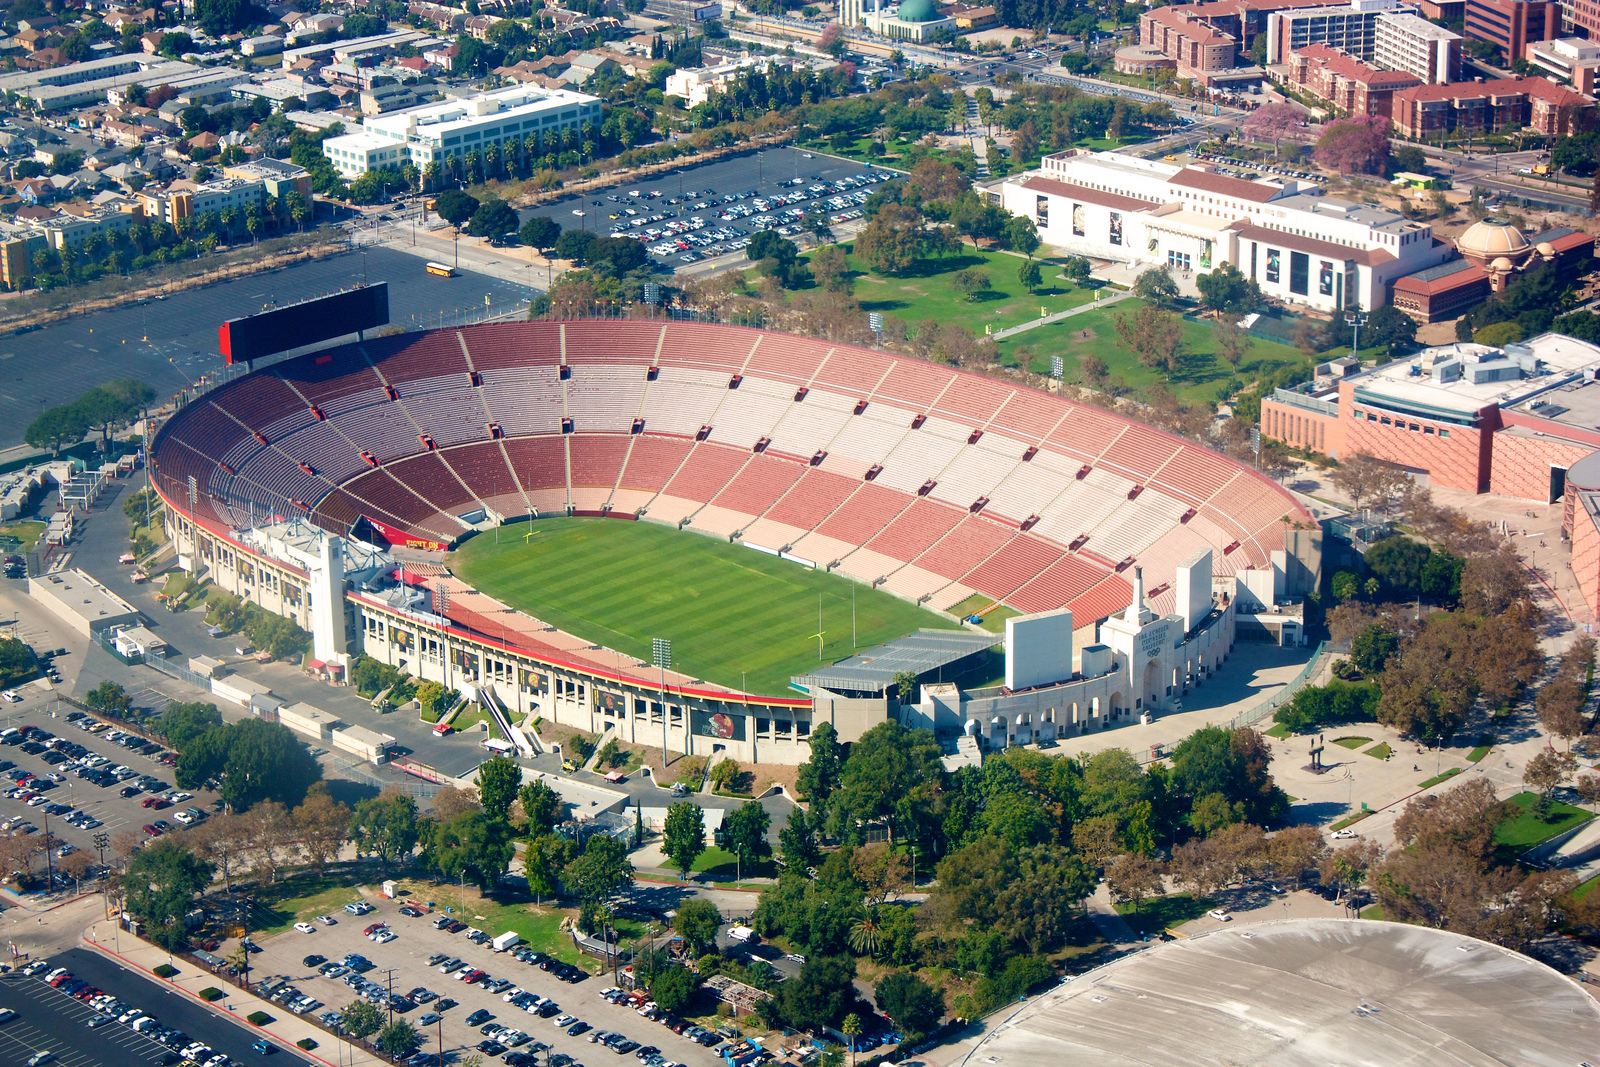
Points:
(1477, 754)
(1523, 827)
(1163, 912)
(299, 898)
(21, 535)
(1436, 779)
(1379, 751)
(928, 291)
(1200, 375)
(735, 617)
(1279, 731)
(1349, 820)
(1352, 743)
(994, 615)
(720, 865)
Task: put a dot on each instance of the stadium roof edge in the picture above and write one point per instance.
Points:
(874, 670)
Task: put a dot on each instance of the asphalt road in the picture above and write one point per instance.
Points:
(170, 342)
(768, 172)
(52, 1020)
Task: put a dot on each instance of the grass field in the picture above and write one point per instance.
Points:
(1523, 827)
(1161, 912)
(734, 616)
(928, 291)
(1201, 373)
(22, 535)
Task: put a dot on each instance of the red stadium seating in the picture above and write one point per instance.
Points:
(255, 446)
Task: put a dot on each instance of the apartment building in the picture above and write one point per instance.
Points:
(1351, 28)
(1482, 107)
(1404, 42)
(1350, 85)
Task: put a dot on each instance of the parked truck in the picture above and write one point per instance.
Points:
(507, 940)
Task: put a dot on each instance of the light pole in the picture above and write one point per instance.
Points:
(661, 656)
(1355, 319)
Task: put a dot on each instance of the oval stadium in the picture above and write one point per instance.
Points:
(380, 493)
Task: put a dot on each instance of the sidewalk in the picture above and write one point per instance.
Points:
(1107, 300)
(286, 1028)
(1105, 918)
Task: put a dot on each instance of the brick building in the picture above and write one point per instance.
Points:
(1436, 111)
(1208, 40)
(1466, 416)
(1510, 25)
(1447, 291)
(1345, 82)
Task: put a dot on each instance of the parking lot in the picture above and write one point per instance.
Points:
(479, 987)
(702, 212)
(54, 1020)
(76, 784)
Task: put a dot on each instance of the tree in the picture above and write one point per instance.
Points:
(893, 776)
(398, 1040)
(684, 835)
(181, 722)
(1030, 276)
(321, 825)
(818, 777)
(1077, 268)
(361, 1019)
(820, 996)
(891, 240)
(159, 888)
(744, 833)
(455, 206)
(432, 698)
(385, 826)
(1392, 328)
(1020, 235)
(831, 269)
(1397, 562)
(1430, 685)
(1133, 877)
(541, 806)
(112, 699)
(265, 761)
(1355, 145)
(1372, 648)
(913, 1004)
(540, 233)
(544, 861)
(673, 988)
(1154, 335)
(1155, 286)
(472, 845)
(798, 840)
(972, 283)
(1227, 290)
(55, 428)
(697, 921)
(1366, 480)
(1546, 771)
(600, 871)
(499, 779)
(1273, 122)
(1231, 764)
(492, 218)
(174, 44)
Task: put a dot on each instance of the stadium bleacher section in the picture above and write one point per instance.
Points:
(939, 482)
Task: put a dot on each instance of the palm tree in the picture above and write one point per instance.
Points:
(851, 1029)
(865, 933)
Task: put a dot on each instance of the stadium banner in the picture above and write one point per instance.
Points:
(792, 558)
(399, 538)
(761, 548)
(717, 724)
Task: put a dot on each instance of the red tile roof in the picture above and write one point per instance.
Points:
(1352, 69)
(1211, 182)
(1074, 191)
(1370, 257)
(1534, 88)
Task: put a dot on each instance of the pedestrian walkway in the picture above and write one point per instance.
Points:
(1104, 915)
(1106, 299)
(286, 1028)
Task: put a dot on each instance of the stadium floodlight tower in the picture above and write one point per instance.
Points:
(661, 656)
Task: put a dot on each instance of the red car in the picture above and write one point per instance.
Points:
(374, 928)
(151, 831)
(474, 976)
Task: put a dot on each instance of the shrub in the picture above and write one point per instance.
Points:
(211, 994)
(258, 1018)
(307, 1043)
(166, 970)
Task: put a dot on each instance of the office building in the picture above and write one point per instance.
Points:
(1351, 28)
(1412, 45)
(454, 128)
(1512, 25)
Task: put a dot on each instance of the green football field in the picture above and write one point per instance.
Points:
(735, 616)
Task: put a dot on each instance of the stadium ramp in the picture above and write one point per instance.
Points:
(502, 718)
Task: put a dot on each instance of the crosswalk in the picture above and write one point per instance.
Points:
(23, 1037)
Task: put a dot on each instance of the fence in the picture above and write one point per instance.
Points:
(1284, 695)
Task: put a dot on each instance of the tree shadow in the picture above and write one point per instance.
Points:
(1316, 812)
(884, 305)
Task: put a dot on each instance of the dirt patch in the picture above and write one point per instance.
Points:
(551, 734)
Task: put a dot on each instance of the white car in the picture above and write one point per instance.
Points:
(185, 818)
(1220, 915)
(327, 920)
(305, 928)
(1344, 835)
(383, 937)
(12, 696)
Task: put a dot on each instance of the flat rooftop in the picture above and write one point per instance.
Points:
(1406, 384)
(875, 669)
(450, 116)
(1306, 993)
